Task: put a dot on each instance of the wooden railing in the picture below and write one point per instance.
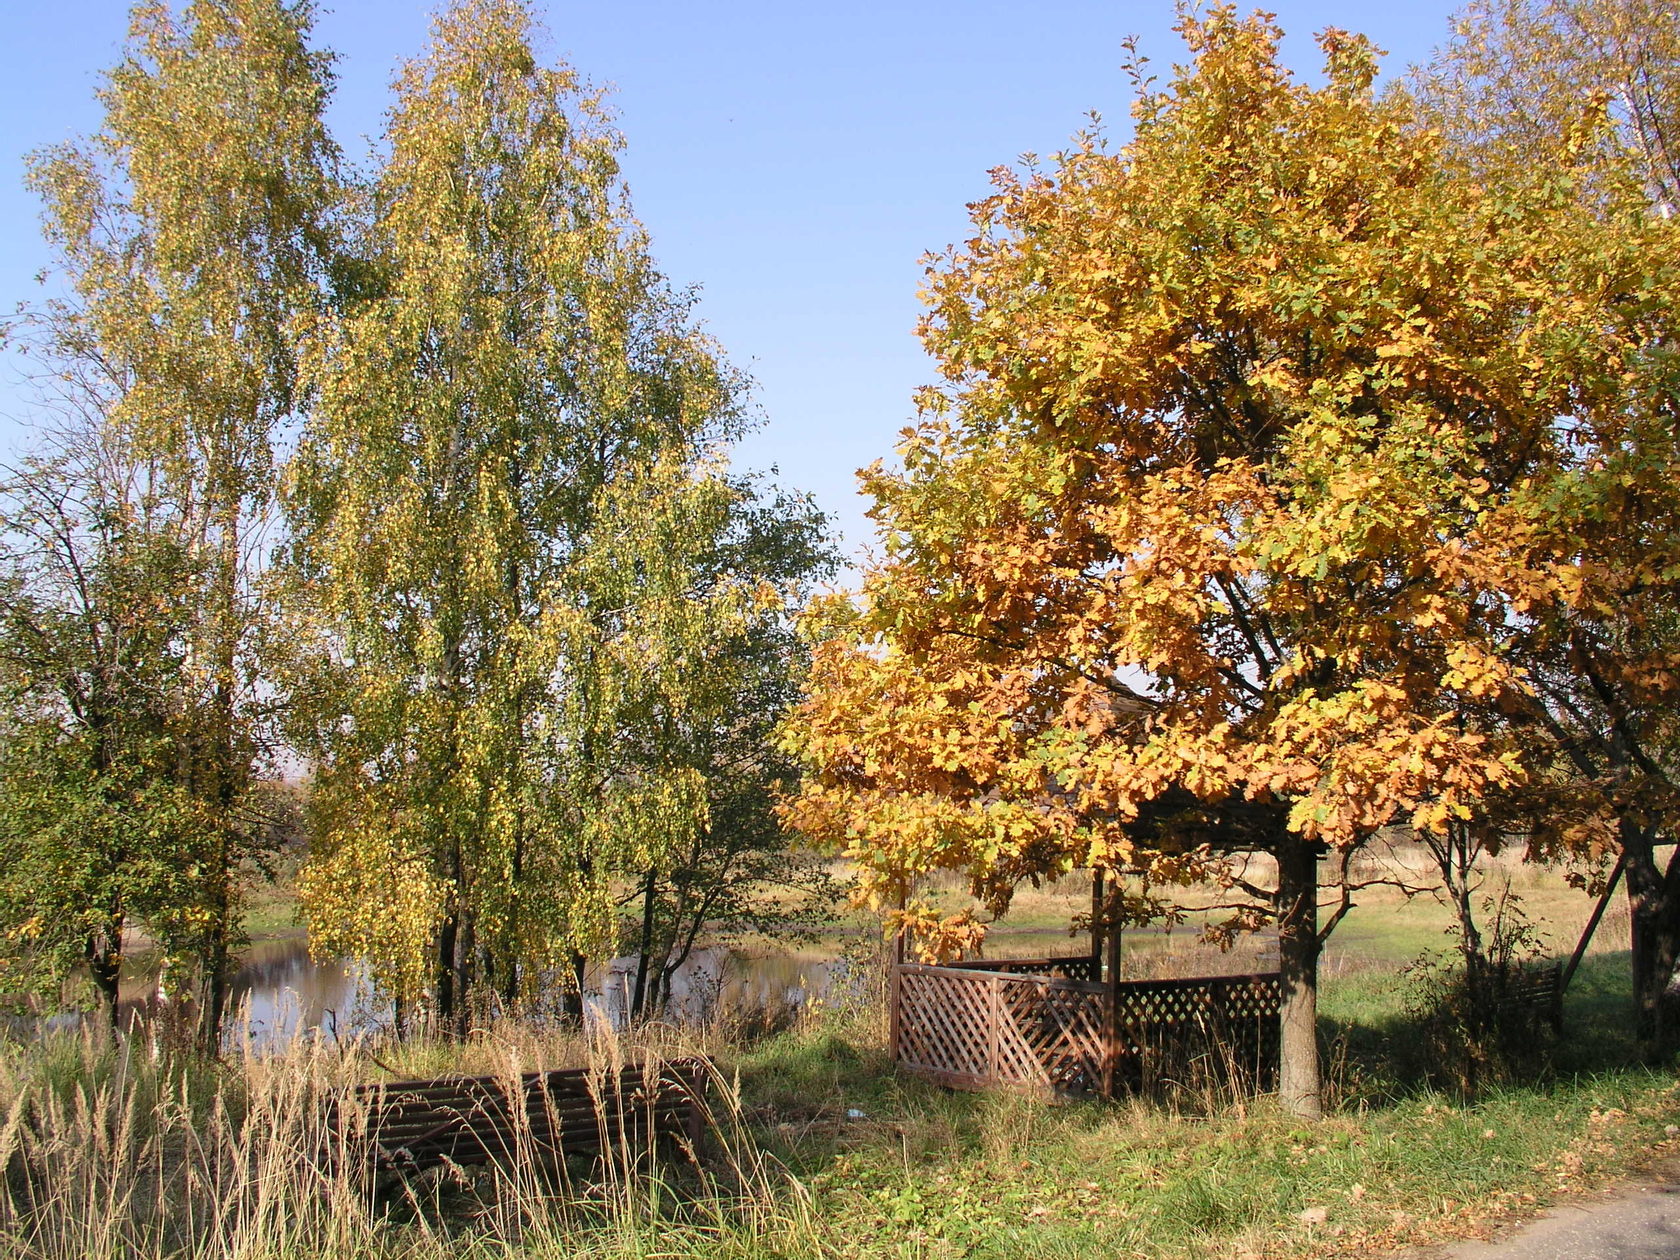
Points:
(1028, 1023)
(1073, 967)
(1538, 989)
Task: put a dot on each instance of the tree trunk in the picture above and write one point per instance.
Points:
(510, 930)
(1300, 1086)
(466, 946)
(446, 997)
(104, 959)
(574, 999)
(510, 985)
(1457, 868)
(649, 888)
(213, 978)
(226, 782)
(1654, 928)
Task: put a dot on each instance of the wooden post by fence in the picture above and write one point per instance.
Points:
(895, 993)
(995, 1029)
(1111, 938)
(1111, 1015)
(1096, 922)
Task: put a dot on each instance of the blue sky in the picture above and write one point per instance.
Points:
(795, 161)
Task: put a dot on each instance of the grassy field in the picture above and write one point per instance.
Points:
(821, 1151)
(921, 1172)
(932, 1174)
(1386, 925)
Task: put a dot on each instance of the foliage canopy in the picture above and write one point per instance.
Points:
(1262, 442)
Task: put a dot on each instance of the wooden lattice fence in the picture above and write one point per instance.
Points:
(1042, 1025)
(1195, 1031)
(1075, 967)
(974, 1029)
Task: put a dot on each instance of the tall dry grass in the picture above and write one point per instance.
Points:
(113, 1148)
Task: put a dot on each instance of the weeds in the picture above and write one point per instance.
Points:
(817, 1152)
(111, 1151)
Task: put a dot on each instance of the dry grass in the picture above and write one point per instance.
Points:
(115, 1150)
(111, 1150)
(1386, 929)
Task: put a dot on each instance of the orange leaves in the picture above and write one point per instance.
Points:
(1267, 442)
(1367, 756)
(935, 939)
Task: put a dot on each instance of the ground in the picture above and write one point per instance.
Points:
(823, 1152)
(1633, 1222)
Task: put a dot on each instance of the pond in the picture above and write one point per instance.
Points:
(280, 991)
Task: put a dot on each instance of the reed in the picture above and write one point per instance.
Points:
(114, 1148)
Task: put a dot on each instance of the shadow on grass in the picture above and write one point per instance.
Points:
(1375, 1027)
(898, 1167)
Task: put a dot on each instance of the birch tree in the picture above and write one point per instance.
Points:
(191, 228)
(511, 462)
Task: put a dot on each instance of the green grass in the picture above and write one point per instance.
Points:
(823, 1151)
(925, 1172)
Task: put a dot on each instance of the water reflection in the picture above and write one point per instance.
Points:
(280, 991)
(720, 979)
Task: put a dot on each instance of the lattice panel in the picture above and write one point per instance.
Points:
(973, 1027)
(1079, 967)
(1184, 1030)
(1053, 1035)
(944, 1023)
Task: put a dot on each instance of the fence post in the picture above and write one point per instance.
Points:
(1111, 1036)
(895, 994)
(994, 1023)
(1099, 906)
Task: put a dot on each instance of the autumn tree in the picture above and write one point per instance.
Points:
(1594, 85)
(1583, 83)
(191, 229)
(1214, 531)
(510, 468)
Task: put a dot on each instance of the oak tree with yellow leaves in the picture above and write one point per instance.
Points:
(1237, 489)
(1594, 86)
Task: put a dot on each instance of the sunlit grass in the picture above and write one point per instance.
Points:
(818, 1150)
(116, 1149)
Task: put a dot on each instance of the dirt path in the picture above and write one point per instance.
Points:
(1636, 1223)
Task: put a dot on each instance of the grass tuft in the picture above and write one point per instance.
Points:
(117, 1149)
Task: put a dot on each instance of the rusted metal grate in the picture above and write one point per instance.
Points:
(1034, 1025)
